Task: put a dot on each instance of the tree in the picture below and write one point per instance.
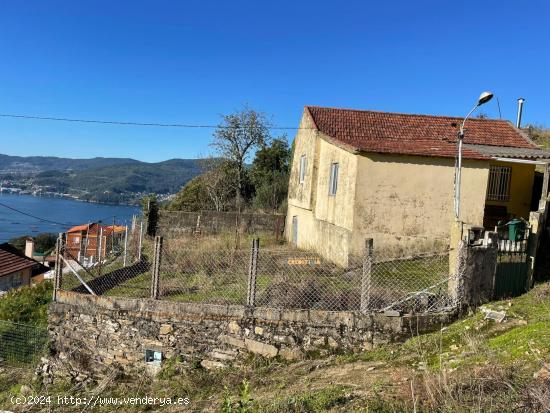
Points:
(539, 134)
(269, 174)
(192, 197)
(214, 189)
(219, 182)
(150, 208)
(43, 242)
(236, 137)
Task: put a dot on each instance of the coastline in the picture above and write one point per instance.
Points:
(27, 214)
(64, 196)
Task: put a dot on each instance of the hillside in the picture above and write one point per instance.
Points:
(35, 164)
(114, 180)
(473, 365)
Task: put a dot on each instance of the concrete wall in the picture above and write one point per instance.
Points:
(405, 203)
(301, 194)
(324, 221)
(478, 265)
(331, 241)
(521, 189)
(95, 334)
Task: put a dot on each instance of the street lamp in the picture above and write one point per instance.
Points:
(483, 98)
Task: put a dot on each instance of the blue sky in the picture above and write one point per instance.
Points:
(188, 62)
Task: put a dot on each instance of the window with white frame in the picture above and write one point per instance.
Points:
(333, 181)
(498, 186)
(303, 166)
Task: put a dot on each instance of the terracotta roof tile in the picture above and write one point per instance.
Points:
(385, 132)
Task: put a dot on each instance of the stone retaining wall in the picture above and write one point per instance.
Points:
(178, 223)
(95, 333)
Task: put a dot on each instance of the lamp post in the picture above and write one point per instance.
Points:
(483, 98)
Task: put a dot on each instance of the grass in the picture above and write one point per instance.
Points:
(27, 305)
(23, 318)
(472, 365)
(209, 269)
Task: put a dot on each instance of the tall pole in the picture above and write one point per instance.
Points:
(458, 172)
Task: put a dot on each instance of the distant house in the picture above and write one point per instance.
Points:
(46, 258)
(92, 241)
(18, 270)
(361, 174)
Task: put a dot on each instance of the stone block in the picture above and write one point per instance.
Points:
(233, 327)
(257, 347)
(232, 341)
(222, 355)
(299, 316)
(319, 317)
(267, 314)
(258, 330)
(165, 329)
(332, 343)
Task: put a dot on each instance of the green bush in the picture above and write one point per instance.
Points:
(27, 305)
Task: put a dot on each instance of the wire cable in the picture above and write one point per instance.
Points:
(63, 224)
(34, 216)
(125, 123)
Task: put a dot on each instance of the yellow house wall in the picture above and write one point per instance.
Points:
(305, 142)
(335, 209)
(331, 241)
(405, 203)
(521, 189)
(324, 221)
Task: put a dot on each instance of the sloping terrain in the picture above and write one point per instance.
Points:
(473, 365)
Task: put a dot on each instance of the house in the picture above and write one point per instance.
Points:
(18, 270)
(92, 241)
(360, 174)
(46, 258)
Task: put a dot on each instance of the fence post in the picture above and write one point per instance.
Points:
(252, 272)
(155, 278)
(366, 278)
(58, 270)
(125, 246)
(140, 240)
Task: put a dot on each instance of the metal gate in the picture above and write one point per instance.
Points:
(512, 269)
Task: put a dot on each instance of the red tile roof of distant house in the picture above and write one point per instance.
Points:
(12, 260)
(117, 228)
(425, 135)
(107, 229)
(79, 228)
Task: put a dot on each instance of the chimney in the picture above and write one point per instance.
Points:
(29, 247)
(520, 112)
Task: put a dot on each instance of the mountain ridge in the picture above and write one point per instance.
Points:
(113, 180)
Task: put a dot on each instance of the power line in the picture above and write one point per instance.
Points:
(63, 224)
(125, 123)
(34, 216)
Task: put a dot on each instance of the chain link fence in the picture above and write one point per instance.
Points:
(422, 283)
(219, 270)
(109, 261)
(21, 343)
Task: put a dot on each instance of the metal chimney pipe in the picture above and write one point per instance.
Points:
(520, 112)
